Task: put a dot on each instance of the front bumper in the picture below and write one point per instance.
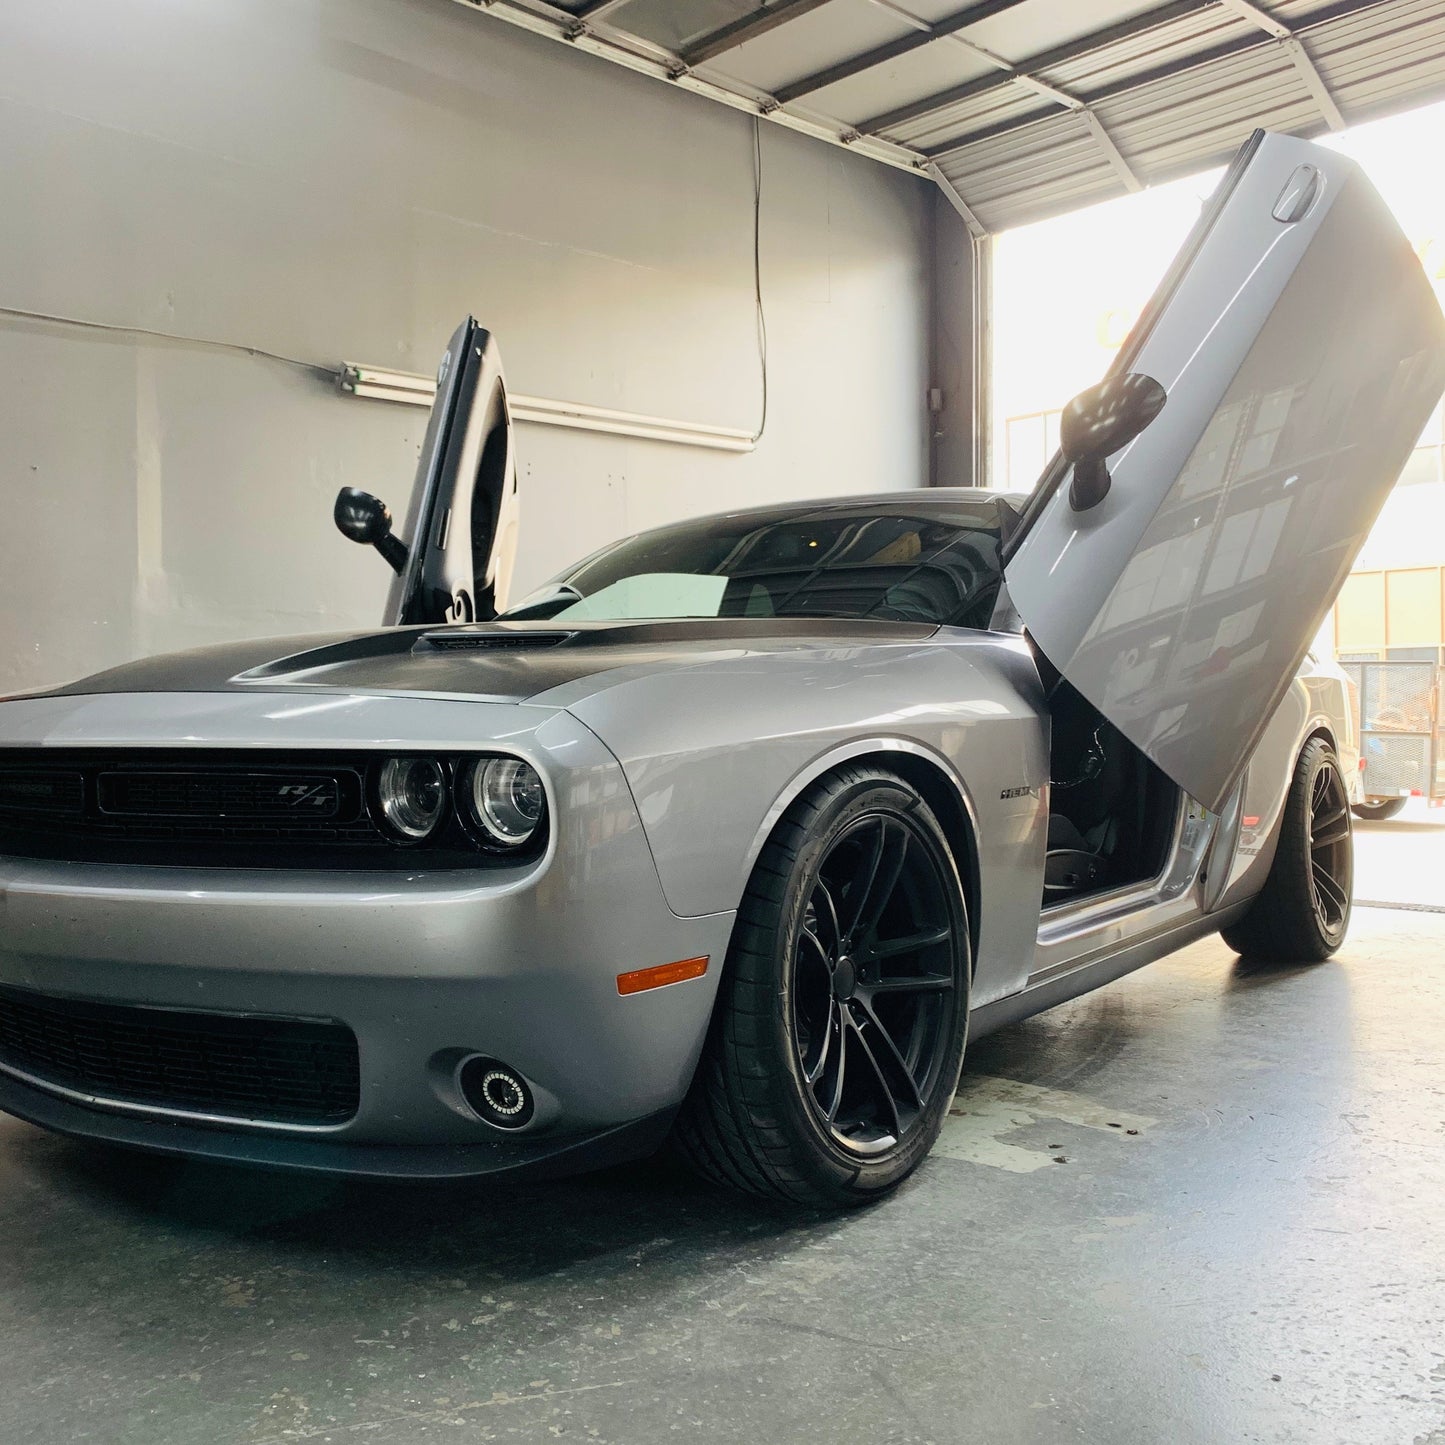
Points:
(518, 964)
(544, 1155)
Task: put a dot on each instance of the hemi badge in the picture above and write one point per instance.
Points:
(642, 979)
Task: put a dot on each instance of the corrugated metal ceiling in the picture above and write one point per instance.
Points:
(1025, 108)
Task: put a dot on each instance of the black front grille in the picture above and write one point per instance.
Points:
(216, 793)
(54, 791)
(285, 1071)
(208, 808)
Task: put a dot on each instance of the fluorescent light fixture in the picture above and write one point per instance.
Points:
(380, 385)
(410, 389)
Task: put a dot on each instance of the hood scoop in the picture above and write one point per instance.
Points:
(459, 639)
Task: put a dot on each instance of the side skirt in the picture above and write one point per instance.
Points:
(1088, 976)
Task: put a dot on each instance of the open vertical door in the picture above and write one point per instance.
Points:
(1301, 350)
(461, 523)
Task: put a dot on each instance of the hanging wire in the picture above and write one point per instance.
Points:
(311, 366)
(330, 372)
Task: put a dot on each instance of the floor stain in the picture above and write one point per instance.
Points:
(987, 1108)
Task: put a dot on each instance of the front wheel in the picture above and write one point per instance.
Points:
(1303, 910)
(838, 1035)
(1378, 812)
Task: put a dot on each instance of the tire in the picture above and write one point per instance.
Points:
(1303, 911)
(815, 978)
(1378, 812)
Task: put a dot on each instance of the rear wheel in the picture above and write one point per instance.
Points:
(1377, 812)
(1303, 910)
(838, 1035)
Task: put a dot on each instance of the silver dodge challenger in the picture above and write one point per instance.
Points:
(736, 831)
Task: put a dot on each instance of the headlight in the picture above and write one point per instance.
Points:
(412, 793)
(507, 800)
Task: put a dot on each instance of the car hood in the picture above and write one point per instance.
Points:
(495, 662)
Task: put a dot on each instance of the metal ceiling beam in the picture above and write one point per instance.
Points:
(1247, 10)
(950, 29)
(1167, 71)
(746, 27)
(1042, 60)
(925, 34)
(1109, 92)
(646, 58)
(599, 9)
(975, 226)
(1314, 82)
(1112, 153)
(976, 52)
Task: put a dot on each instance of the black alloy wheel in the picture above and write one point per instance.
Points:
(838, 1033)
(872, 960)
(1332, 853)
(1302, 912)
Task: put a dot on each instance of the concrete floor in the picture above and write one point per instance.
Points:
(1254, 1254)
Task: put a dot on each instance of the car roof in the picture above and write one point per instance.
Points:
(933, 499)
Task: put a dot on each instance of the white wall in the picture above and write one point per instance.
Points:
(345, 179)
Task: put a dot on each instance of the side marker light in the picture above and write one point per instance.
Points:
(642, 979)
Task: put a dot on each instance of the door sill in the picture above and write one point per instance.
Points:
(1060, 920)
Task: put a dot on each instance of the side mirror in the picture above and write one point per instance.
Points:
(1100, 421)
(365, 519)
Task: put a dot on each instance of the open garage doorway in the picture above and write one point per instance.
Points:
(1066, 292)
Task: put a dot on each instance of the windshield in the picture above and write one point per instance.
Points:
(920, 564)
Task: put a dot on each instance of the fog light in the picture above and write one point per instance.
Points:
(495, 1093)
(412, 793)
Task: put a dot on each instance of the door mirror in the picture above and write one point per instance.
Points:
(365, 519)
(1101, 421)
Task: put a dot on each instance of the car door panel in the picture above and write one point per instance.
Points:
(1301, 357)
(461, 524)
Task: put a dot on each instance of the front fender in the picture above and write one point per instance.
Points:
(1302, 713)
(715, 756)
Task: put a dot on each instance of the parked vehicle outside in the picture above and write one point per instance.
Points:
(1337, 691)
(1401, 723)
